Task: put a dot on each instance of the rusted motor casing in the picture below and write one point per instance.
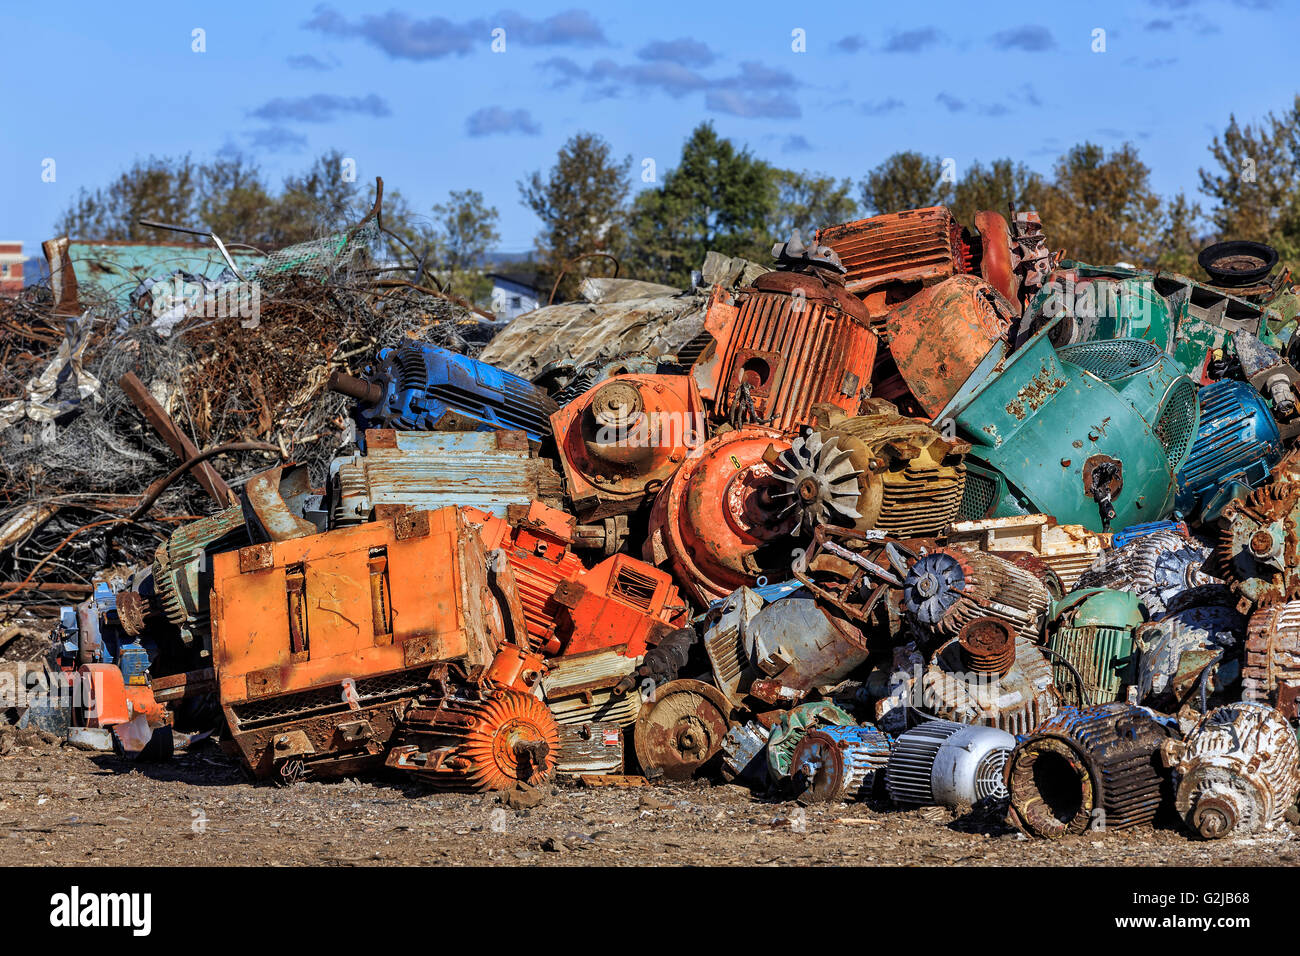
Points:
(796, 644)
(949, 588)
(592, 747)
(792, 340)
(839, 764)
(581, 688)
(716, 521)
(891, 257)
(988, 646)
(681, 729)
(1016, 701)
(791, 727)
(623, 438)
(1094, 768)
(622, 603)
(939, 336)
(875, 472)
(1271, 673)
(1237, 772)
(477, 745)
(1157, 567)
(996, 266)
(1259, 546)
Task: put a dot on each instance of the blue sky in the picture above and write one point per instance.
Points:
(414, 92)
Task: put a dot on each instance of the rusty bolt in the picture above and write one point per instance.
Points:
(1261, 544)
(1065, 463)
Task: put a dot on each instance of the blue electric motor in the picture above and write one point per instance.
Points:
(1236, 446)
(420, 387)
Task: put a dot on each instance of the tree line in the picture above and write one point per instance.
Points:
(1097, 205)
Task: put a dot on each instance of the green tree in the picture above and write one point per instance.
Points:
(1256, 185)
(233, 201)
(466, 228)
(717, 198)
(907, 180)
(1100, 208)
(582, 205)
(1179, 237)
(159, 188)
(321, 199)
(1002, 183)
(808, 201)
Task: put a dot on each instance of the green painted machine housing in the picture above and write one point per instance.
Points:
(1093, 629)
(1041, 420)
(1183, 317)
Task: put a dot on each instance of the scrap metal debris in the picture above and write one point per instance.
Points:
(921, 514)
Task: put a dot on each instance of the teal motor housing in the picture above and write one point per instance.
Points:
(1093, 434)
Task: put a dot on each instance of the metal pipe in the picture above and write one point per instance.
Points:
(367, 393)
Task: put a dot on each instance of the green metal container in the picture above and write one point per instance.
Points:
(1093, 629)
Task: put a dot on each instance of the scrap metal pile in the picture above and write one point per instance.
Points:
(925, 513)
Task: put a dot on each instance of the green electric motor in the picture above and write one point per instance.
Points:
(1091, 631)
(1093, 434)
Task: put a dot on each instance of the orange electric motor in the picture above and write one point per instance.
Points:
(891, 257)
(624, 437)
(938, 337)
(538, 543)
(794, 339)
(717, 522)
(620, 603)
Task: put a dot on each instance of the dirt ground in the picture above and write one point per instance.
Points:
(59, 805)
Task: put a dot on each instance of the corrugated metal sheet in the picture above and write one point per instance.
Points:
(118, 267)
(917, 245)
(485, 470)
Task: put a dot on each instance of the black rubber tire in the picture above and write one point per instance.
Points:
(1210, 255)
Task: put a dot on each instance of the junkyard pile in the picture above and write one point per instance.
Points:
(924, 512)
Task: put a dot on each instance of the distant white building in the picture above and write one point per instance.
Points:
(514, 293)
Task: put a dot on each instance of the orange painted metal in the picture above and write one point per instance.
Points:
(490, 744)
(620, 603)
(538, 544)
(317, 641)
(295, 614)
(716, 522)
(938, 337)
(140, 700)
(996, 266)
(792, 340)
(513, 668)
(104, 693)
(623, 438)
(894, 256)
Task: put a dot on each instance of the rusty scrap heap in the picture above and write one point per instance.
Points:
(924, 513)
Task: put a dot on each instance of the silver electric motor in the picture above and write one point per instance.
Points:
(949, 764)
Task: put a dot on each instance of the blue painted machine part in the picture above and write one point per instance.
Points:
(1236, 446)
(427, 388)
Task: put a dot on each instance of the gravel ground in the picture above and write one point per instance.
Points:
(65, 806)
